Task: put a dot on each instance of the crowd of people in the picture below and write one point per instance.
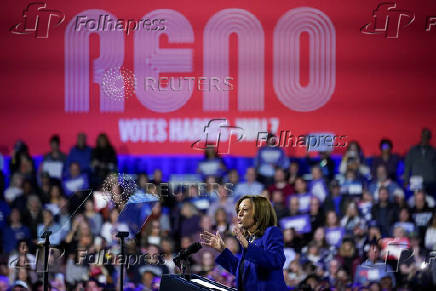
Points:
(359, 224)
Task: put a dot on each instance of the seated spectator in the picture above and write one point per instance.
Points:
(411, 262)
(389, 160)
(359, 236)
(75, 181)
(333, 231)
(293, 172)
(232, 244)
(207, 263)
(152, 233)
(54, 160)
(384, 212)
(430, 234)
(351, 218)
(292, 240)
(421, 161)
(167, 246)
(19, 156)
(320, 240)
(312, 253)
(21, 258)
(190, 222)
(32, 214)
(365, 205)
(142, 182)
(94, 218)
(109, 228)
(354, 159)
(295, 274)
(81, 154)
(334, 200)
(80, 235)
(428, 199)
(223, 201)
(212, 164)
(303, 195)
(317, 185)
(221, 221)
(21, 201)
(44, 187)
(316, 213)
(250, 185)
(333, 267)
(281, 184)
(325, 163)
(373, 236)
(103, 159)
(54, 200)
(75, 272)
(405, 222)
(268, 158)
(383, 180)
(421, 213)
(294, 206)
(203, 200)
(232, 179)
(277, 200)
(373, 269)
(14, 232)
(48, 224)
(351, 185)
(15, 188)
(348, 256)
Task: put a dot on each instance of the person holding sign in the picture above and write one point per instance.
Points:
(260, 267)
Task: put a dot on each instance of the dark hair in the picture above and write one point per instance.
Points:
(264, 213)
(55, 138)
(386, 141)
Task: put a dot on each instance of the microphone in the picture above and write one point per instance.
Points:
(185, 253)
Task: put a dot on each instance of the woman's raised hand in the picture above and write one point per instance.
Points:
(213, 240)
(237, 232)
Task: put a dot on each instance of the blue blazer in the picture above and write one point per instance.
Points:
(263, 262)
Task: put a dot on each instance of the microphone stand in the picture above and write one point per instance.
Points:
(185, 265)
(46, 235)
(122, 235)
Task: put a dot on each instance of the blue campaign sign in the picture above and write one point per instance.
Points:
(137, 210)
(301, 223)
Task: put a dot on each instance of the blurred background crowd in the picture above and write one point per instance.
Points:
(349, 222)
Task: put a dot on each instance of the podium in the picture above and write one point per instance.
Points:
(177, 282)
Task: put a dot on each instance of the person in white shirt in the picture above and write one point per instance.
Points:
(250, 186)
(430, 234)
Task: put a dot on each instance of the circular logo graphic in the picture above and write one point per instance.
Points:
(118, 83)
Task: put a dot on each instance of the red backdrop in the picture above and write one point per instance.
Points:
(362, 85)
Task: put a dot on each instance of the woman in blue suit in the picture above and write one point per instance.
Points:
(260, 266)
